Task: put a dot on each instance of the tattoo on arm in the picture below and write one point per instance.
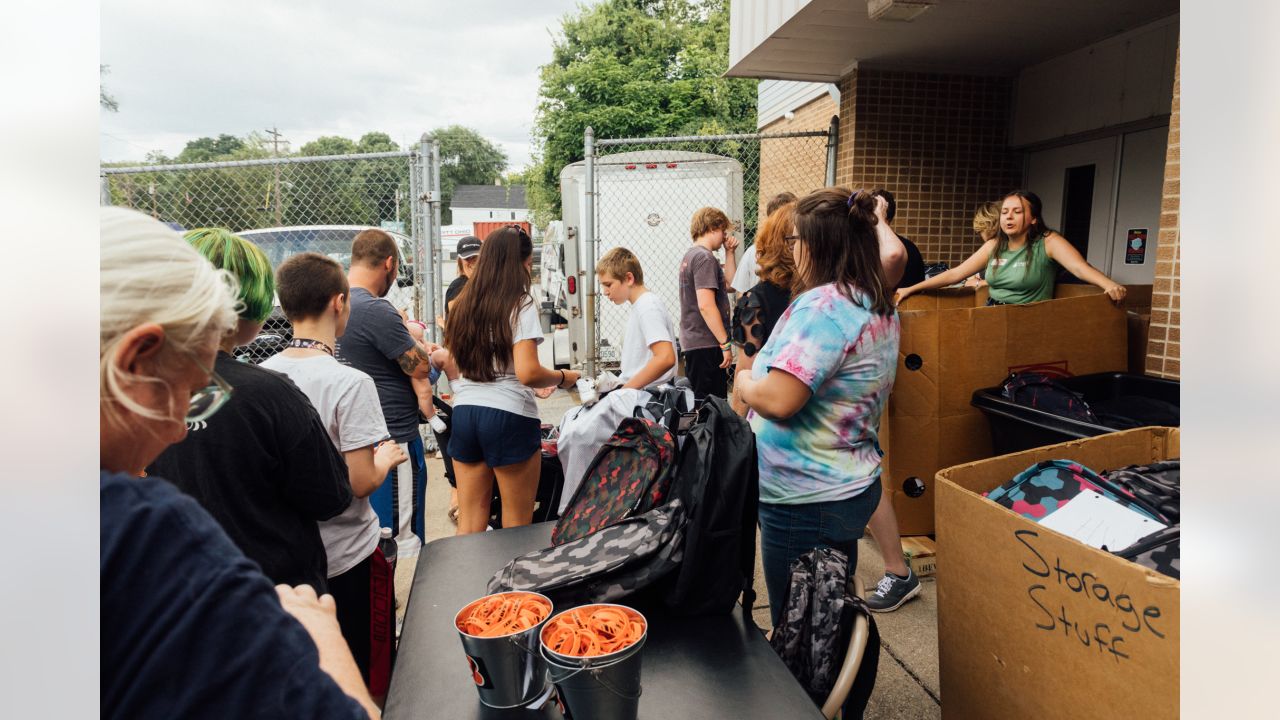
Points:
(412, 358)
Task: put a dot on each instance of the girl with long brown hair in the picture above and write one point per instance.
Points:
(1022, 259)
(820, 383)
(493, 334)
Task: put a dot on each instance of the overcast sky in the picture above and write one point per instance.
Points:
(319, 67)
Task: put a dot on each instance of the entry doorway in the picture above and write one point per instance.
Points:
(1104, 196)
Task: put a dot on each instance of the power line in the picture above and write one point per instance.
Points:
(276, 139)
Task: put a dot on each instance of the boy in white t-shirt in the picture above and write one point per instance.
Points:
(648, 347)
(315, 296)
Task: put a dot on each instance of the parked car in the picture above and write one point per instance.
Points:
(281, 243)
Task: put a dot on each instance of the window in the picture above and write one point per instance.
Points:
(513, 216)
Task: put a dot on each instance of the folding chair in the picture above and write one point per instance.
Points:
(852, 661)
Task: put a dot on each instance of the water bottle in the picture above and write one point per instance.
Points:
(389, 546)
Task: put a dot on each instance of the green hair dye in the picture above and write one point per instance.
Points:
(245, 261)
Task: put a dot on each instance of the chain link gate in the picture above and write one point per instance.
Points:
(644, 191)
(290, 205)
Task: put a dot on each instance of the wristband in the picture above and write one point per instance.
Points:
(561, 383)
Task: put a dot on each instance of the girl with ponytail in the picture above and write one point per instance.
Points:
(819, 385)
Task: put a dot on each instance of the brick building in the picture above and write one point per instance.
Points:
(950, 104)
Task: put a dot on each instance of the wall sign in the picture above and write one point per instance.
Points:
(1135, 248)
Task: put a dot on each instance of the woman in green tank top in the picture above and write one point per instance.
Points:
(1022, 260)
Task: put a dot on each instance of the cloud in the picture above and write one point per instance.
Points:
(185, 70)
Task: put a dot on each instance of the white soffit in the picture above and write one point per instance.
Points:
(822, 40)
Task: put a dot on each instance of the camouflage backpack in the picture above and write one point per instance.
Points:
(605, 566)
(630, 475)
(1159, 486)
(813, 634)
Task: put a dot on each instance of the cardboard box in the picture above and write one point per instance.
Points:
(952, 344)
(921, 554)
(1034, 624)
(1136, 297)
(1139, 335)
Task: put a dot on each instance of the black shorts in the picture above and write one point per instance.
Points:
(494, 437)
(702, 367)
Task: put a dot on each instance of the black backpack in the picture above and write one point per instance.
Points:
(718, 483)
(696, 552)
(1045, 393)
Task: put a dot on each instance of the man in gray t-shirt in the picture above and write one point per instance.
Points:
(704, 303)
(377, 343)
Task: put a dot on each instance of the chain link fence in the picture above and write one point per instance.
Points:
(296, 204)
(646, 190)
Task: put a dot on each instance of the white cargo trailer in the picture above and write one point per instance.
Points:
(644, 202)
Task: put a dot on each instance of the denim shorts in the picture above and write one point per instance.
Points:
(789, 531)
(494, 437)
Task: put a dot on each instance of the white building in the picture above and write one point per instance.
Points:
(488, 203)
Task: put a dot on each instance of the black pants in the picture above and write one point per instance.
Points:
(702, 367)
(365, 596)
(442, 439)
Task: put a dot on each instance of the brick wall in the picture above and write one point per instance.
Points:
(938, 142)
(1164, 344)
(791, 165)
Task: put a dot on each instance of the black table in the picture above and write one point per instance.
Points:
(708, 667)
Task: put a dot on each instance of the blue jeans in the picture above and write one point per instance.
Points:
(789, 531)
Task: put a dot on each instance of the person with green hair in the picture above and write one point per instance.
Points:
(263, 467)
(252, 270)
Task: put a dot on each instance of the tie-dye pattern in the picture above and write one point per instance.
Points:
(847, 355)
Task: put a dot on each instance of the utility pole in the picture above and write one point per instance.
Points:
(275, 152)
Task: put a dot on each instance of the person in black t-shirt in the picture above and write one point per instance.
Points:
(263, 467)
(899, 584)
(914, 272)
(761, 306)
(468, 254)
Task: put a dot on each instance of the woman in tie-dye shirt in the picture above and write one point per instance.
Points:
(820, 384)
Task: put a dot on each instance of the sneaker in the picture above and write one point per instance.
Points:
(892, 591)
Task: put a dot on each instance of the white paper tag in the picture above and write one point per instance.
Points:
(1096, 521)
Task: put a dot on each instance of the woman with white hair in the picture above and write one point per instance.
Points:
(190, 626)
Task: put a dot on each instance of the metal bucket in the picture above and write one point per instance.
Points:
(508, 670)
(603, 686)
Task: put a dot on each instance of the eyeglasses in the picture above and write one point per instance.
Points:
(208, 400)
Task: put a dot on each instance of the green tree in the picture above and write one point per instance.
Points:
(634, 68)
(105, 100)
(466, 158)
(363, 192)
(207, 149)
(375, 142)
(328, 145)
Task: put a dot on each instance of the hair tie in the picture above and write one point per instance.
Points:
(852, 195)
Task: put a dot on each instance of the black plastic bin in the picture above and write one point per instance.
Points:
(1121, 400)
